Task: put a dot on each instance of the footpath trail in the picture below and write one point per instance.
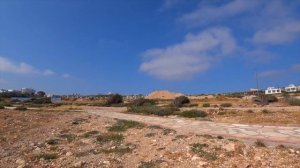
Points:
(270, 135)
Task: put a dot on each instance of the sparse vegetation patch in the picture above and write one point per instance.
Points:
(108, 137)
(192, 114)
(123, 125)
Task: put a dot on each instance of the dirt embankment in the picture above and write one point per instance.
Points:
(163, 95)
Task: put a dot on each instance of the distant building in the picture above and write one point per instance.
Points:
(291, 88)
(27, 91)
(273, 90)
(3, 90)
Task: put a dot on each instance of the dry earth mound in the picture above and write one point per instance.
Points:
(163, 94)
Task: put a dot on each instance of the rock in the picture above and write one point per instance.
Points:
(106, 162)
(21, 163)
(202, 163)
(297, 152)
(195, 158)
(69, 154)
(78, 164)
(292, 150)
(229, 147)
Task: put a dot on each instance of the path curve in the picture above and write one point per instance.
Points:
(271, 135)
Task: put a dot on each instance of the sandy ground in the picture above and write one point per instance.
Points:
(64, 139)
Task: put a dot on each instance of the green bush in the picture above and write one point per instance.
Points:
(160, 111)
(192, 114)
(293, 101)
(180, 101)
(206, 105)
(114, 99)
(142, 102)
(2, 107)
(45, 100)
(226, 105)
(21, 108)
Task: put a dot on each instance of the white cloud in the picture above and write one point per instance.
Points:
(22, 68)
(259, 55)
(66, 75)
(48, 72)
(271, 73)
(296, 67)
(205, 14)
(194, 55)
(280, 34)
(9, 66)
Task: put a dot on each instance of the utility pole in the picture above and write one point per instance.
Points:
(256, 76)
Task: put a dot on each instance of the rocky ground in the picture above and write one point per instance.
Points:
(77, 139)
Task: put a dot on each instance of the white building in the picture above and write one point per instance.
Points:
(273, 90)
(3, 90)
(27, 91)
(291, 88)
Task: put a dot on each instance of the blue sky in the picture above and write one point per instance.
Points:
(137, 46)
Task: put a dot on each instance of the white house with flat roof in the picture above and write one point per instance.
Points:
(273, 90)
(291, 88)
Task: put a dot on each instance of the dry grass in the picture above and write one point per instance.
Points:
(270, 118)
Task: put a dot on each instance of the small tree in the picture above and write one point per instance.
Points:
(180, 101)
(114, 99)
(41, 94)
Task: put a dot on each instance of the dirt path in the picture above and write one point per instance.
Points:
(271, 135)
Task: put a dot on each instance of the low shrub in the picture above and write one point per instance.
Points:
(192, 114)
(160, 111)
(123, 125)
(180, 101)
(21, 108)
(41, 100)
(206, 105)
(293, 101)
(259, 143)
(265, 99)
(114, 99)
(2, 107)
(198, 149)
(226, 105)
(265, 111)
(142, 102)
(110, 137)
(90, 133)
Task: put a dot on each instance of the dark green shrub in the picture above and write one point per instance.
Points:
(2, 107)
(180, 101)
(143, 102)
(226, 105)
(45, 100)
(21, 108)
(293, 101)
(193, 114)
(206, 105)
(114, 99)
(160, 111)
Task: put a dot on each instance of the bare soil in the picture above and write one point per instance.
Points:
(69, 139)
